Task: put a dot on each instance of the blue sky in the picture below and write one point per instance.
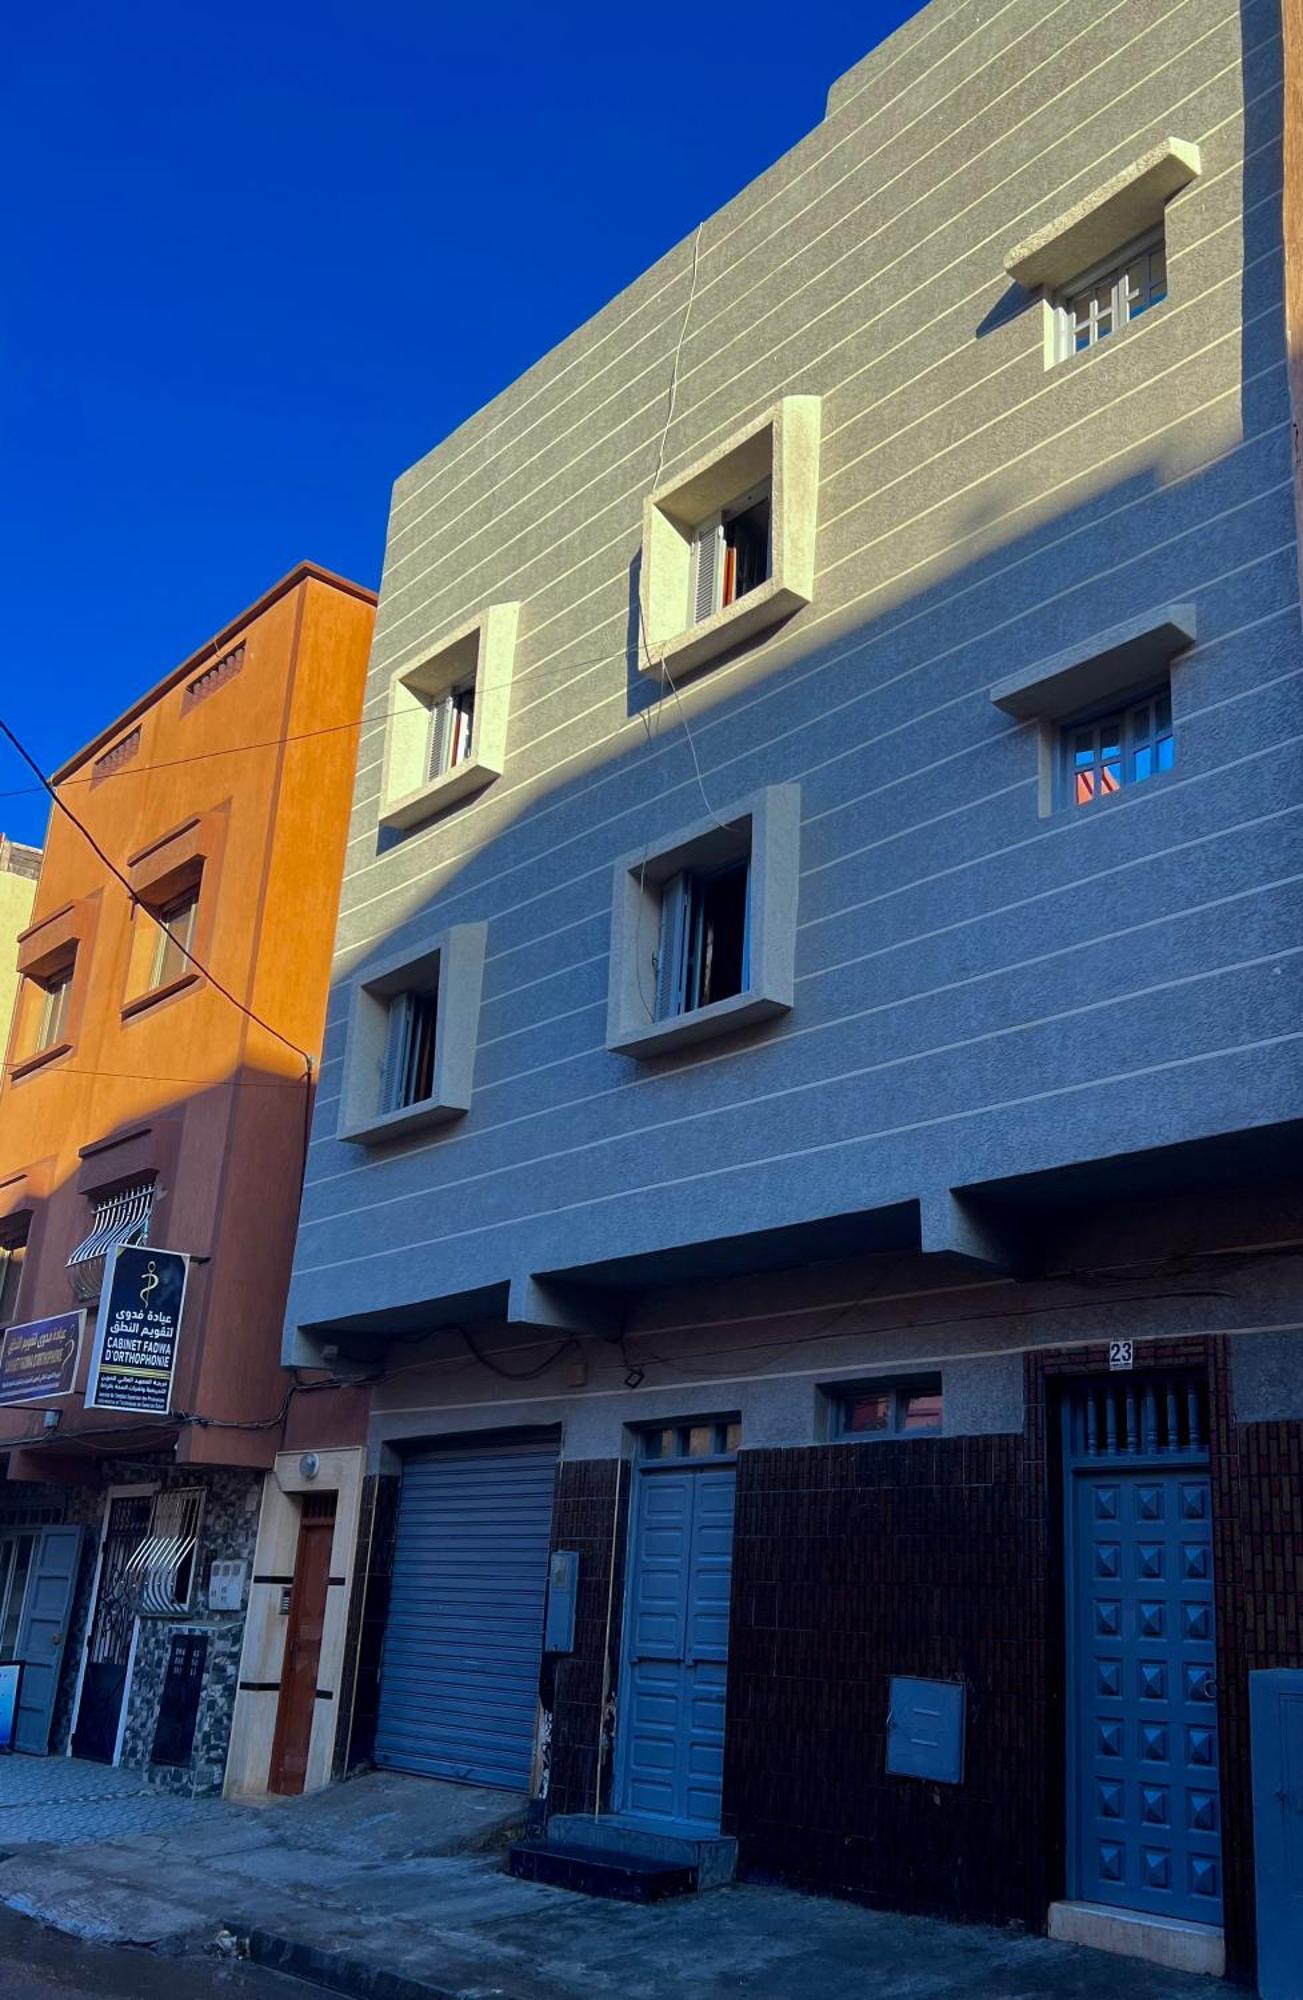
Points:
(259, 260)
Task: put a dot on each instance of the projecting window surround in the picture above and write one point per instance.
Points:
(446, 720)
(1103, 265)
(728, 546)
(175, 881)
(892, 1407)
(409, 1053)
(703, 928)
(1104, 709)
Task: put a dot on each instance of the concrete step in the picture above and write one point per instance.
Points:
(712, 1855)
(601, 1871)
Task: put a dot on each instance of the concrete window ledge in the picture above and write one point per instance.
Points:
(483, 651)
(1128, 204)
(1099, 668)
(1180, 1947)
(451, 964)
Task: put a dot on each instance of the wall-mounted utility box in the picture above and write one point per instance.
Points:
(925, 1730)
(562, 1590)
(226, 1585)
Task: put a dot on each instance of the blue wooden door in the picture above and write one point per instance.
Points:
(671, 1731)
(1276, 1707)
(1144, 1810)
(43, 1631)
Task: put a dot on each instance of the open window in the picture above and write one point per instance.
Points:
(704, 928)
(728, 546)
(409, 1057)
(446, 728)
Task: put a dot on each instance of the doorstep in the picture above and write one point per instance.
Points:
(1180, 1947)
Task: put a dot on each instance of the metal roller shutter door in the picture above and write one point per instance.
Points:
(459, 1674)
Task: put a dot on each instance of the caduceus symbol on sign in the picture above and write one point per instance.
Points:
(149, 1283)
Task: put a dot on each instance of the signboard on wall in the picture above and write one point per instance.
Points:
(38, 1360)
(136, 1333)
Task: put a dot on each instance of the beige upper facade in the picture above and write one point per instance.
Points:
(20, 868)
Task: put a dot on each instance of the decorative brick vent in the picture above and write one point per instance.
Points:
(115, 757)
(213, 677)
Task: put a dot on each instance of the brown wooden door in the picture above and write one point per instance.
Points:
(307, 1616)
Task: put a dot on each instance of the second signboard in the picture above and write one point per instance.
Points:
(134, 1355)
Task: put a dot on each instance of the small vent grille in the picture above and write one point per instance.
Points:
(115, 757)
(1137, 1416)
(319, 1506)
(214, 677)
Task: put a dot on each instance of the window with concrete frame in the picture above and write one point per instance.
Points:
(703, 927)
(409, 1052)
(13, 1249)
(899, 1406)
(446, 727)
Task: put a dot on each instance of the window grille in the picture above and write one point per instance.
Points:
(162, 1567)
(1108, 300)
(1137, 1415)
(1123, 748)
(118, 1218)
(213, 677)
(704, 1437)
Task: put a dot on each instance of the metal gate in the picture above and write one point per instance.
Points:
(464, 1639)
(113, 1623)
(1144, 1815)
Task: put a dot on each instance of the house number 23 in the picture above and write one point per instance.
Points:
(1121, 1354)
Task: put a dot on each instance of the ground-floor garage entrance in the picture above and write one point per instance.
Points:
(463, 1640)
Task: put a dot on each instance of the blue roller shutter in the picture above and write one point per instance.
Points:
(459, 1673)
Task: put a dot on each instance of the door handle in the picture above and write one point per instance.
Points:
(56, 1638)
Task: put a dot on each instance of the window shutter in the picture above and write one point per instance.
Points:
(441, 728)
(707, 547)
(671, 957)
(397, 1038)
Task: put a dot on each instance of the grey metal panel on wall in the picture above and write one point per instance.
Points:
(459, 1672)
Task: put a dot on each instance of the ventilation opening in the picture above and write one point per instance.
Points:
(1142, 1416)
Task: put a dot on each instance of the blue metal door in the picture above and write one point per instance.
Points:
(1144, 1809)
(671, 1733)
(464, 1636)
(1276, 1712)
(43, 1631)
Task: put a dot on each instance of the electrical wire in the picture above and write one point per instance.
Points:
(512, 1374)
(185, 951)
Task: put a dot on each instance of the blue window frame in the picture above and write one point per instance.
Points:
(902, 1406)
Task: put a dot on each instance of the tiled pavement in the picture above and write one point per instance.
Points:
(69, 1800)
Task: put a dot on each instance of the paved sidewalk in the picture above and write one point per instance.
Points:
(72, 1801)
(395, 1887)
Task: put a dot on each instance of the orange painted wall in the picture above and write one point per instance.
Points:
(187, 1086)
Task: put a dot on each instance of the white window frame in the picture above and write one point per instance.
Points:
(1123, 310)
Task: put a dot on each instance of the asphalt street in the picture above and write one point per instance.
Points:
(41, 1964)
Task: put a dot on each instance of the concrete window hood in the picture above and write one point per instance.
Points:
(1099, 668)
(1128, 204)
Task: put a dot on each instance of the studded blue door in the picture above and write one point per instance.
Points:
(671, 1729)
(1145, 1818)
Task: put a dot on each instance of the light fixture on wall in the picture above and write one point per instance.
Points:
(309, 1465)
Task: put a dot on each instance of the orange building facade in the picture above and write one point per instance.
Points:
(156, 1093)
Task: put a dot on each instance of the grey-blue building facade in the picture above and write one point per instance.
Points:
(810, 1113)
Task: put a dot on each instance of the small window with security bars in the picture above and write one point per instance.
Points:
(408, 1066)
(1102, 754)
(1136, 1414)
(116, 1219)
(1104, 301)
